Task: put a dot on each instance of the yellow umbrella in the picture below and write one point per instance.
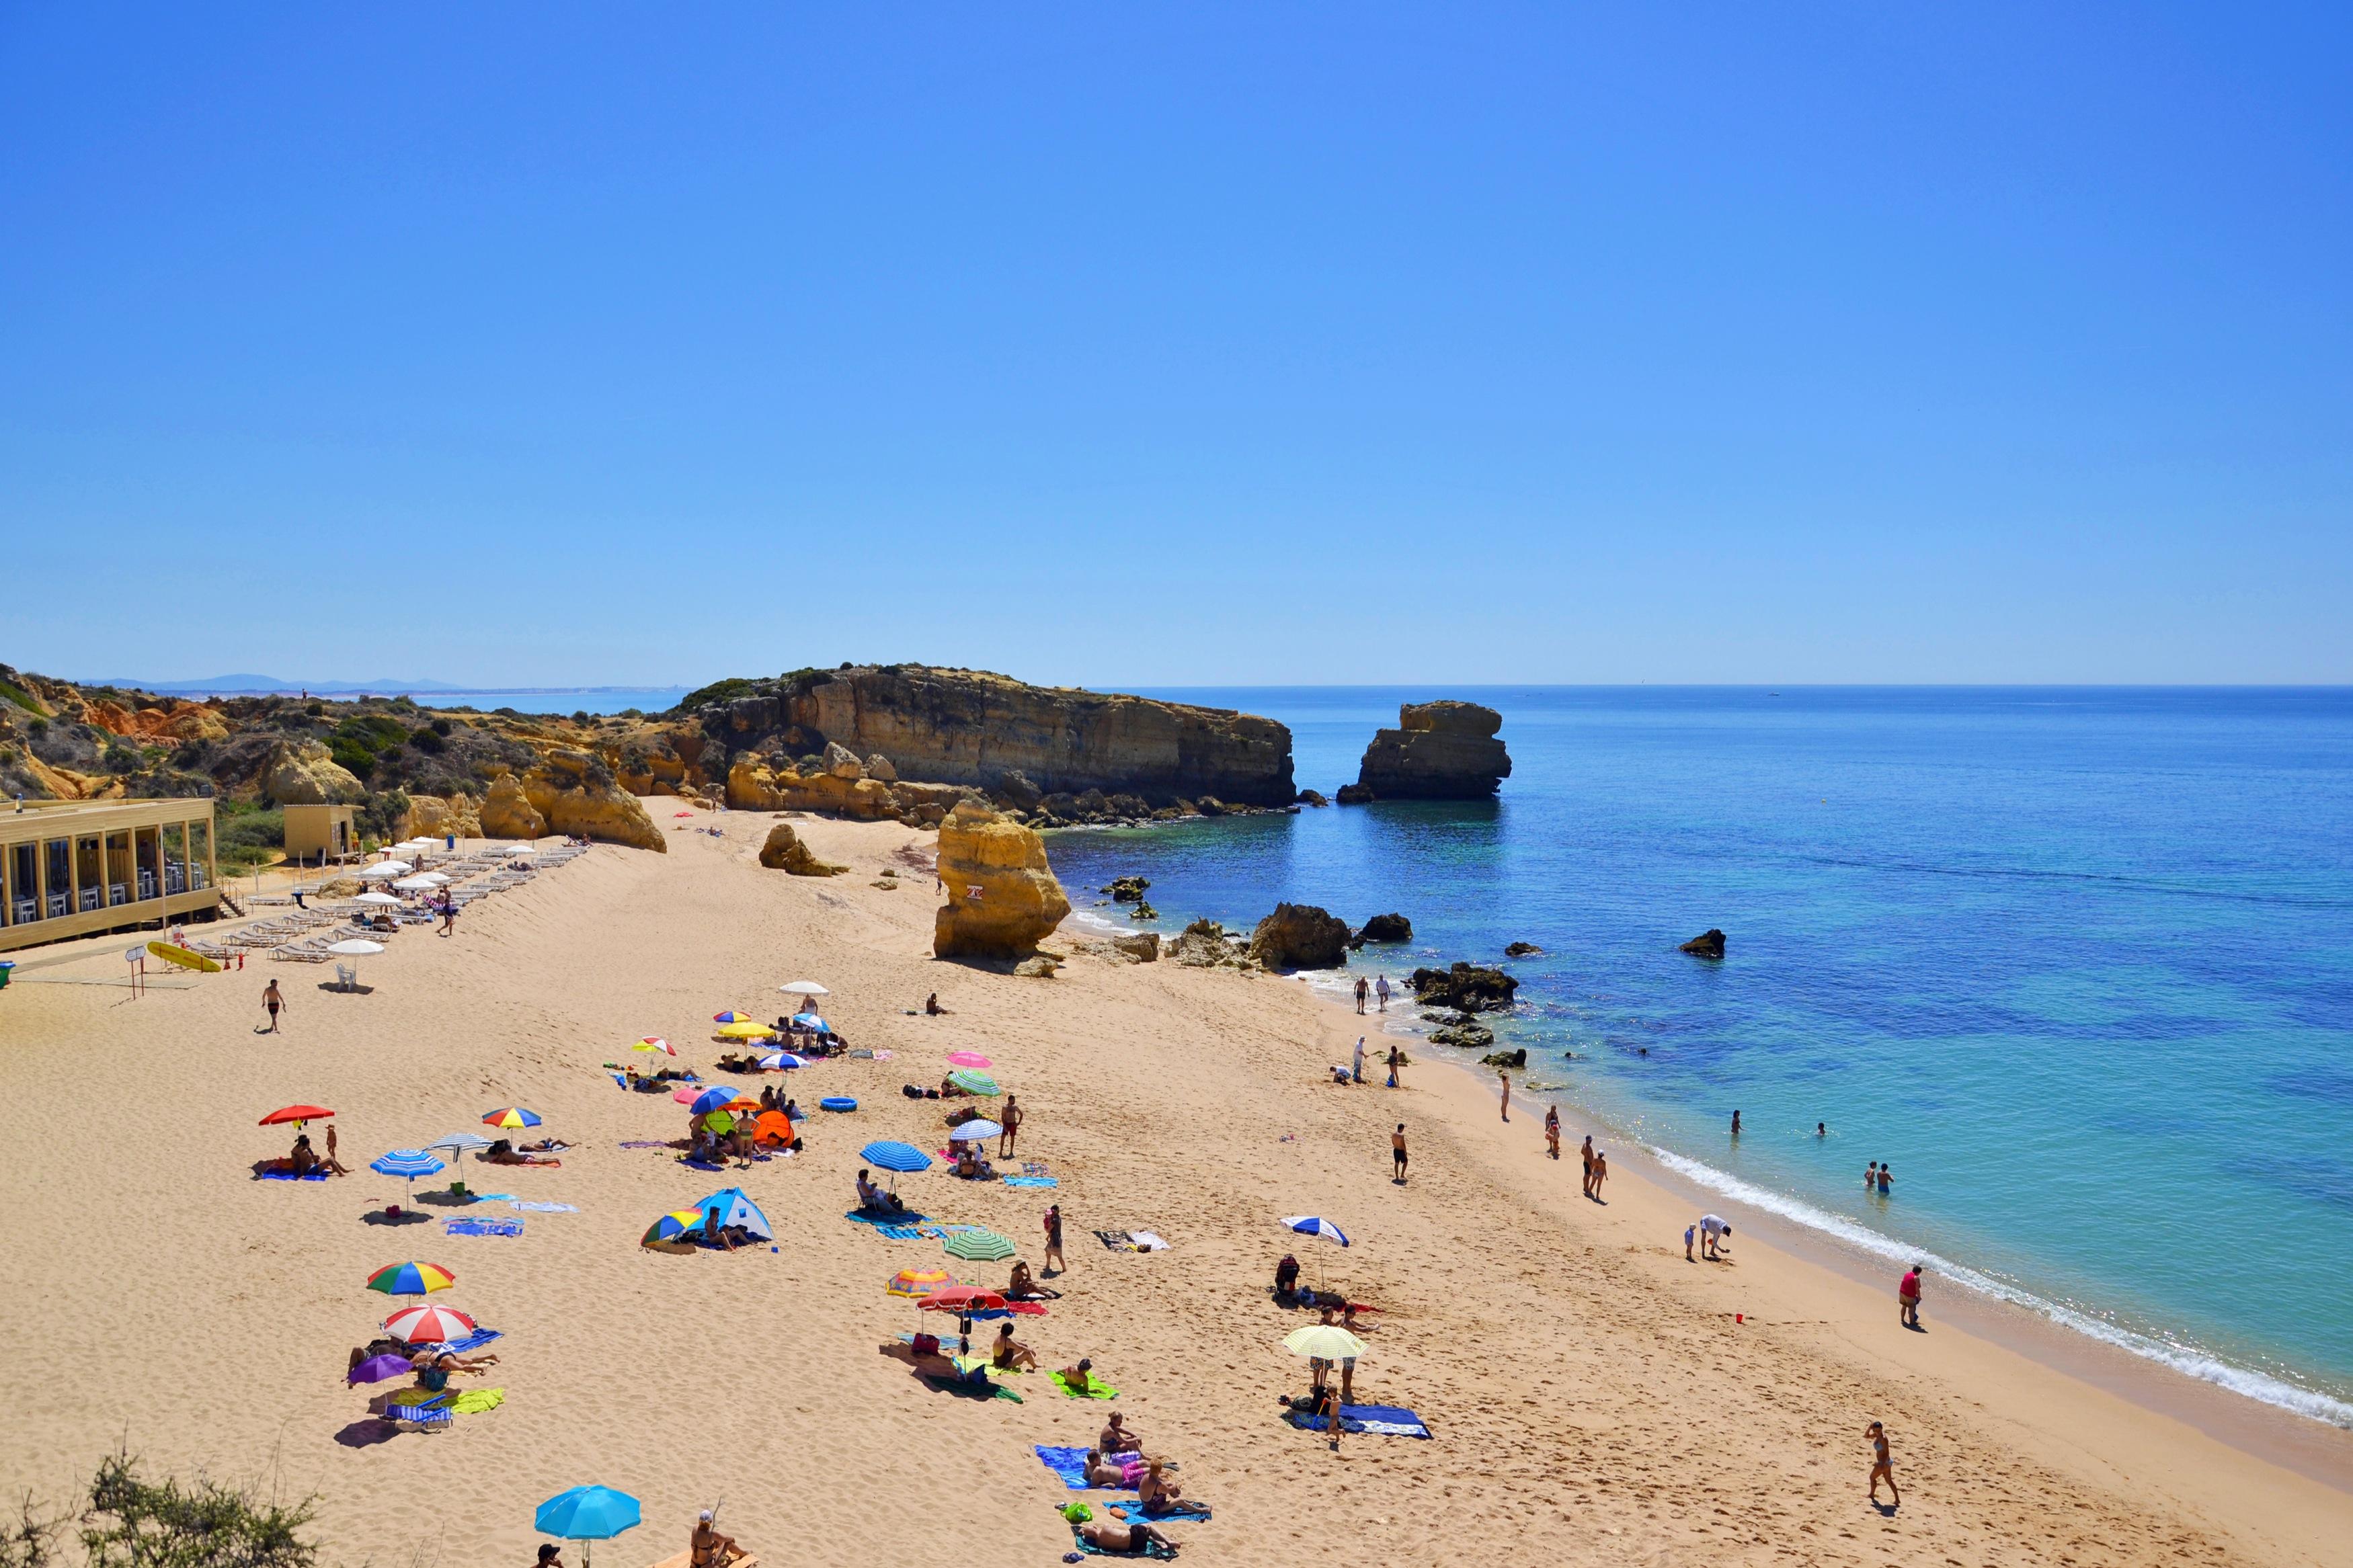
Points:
(1328, 1341)
(745, 1031)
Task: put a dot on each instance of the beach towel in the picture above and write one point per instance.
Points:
(899, 1232)
(473, 1341)
(1117, 1240)
(1095, 1389)
(1069, 1464)
(1031, 1181)
(543, 1208)
(1033, 1167)
(474, 1401)
(290, 1176)
(1146, 1241)
(481, 1228)
(971, 1390)
(1374, 1420)
(496, 1198)
(1151, 1549)
(646, 1143)
(884, 1222)
(1180, 1509)
(699, 1164)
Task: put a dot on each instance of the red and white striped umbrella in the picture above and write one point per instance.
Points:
(428, 1325)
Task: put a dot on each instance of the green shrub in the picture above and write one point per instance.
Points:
(725, 690)
(426, 739)
(352, 756)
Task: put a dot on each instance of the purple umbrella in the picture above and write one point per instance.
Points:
(377, 1368)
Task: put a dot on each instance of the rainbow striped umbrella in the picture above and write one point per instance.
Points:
(673, 1227)
(655, 1043)
(919, 1282)
(511, 1116)
(732, 1016)
(411, 1279)
(428, 1325)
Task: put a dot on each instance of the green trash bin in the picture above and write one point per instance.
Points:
(7, 967)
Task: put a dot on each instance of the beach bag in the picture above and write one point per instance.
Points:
(1077, 1512)
(927, 1344)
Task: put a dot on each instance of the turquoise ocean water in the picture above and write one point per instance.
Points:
(2078, 963)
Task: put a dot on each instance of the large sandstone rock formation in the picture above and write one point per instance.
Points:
(433, 816)
(1002, 895)
(784, 852)
(569, 791)
(754, 785)
(1300, 936)
(1439, 751)
(304, 773)
(972, 728)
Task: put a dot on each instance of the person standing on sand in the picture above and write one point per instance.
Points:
(1600, 1175)
(1011, 1121)
(1356, 1072)
(334, 1167)
(1361, 989)
(1907, 1300)
(1586, 1186)
(273, 1001)
(1882, 1470)
(1689, 1231)
(1552, 1131)
(1397, 1060)
(1054, 1241)
(1507, 1094)
(1396, 1155)
(1381, 990)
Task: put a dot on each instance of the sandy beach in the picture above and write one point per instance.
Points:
(1592, 1395)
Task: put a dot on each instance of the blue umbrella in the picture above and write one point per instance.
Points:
(811, 1021)
(784, 1060)
(735, 1207)
(587, 1513)
(406, 1164)
(1308, 1225)
(893, 1155)
(711, 1100)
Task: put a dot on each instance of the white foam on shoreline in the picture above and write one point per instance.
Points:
(2183, 1359)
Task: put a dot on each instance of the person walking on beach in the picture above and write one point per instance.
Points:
(1907, 1298)
(1397, 1060)
(1396, 1155)
(449, 915)
(1882, 1470)
(1552, 1131)
(1381, 990)
(1507, 1094)
(1054, 1263)
(1586, 1188)
(1356, 1072)
(1011, 1121)
(273, 1001)
(1361, 989)
(1600, 1175)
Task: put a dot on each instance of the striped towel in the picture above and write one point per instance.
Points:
(899, 1232)
(472, 1341)
(481, 1228)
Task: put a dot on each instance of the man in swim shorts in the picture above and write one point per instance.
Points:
(1397, 1154)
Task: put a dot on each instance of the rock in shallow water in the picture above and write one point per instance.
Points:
(1471, 988)
(1709, 943)
(1300, 936)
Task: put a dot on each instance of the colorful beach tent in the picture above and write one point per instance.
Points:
(735, 1206)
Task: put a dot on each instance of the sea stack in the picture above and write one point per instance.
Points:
(1439, 751)
(1002, 895)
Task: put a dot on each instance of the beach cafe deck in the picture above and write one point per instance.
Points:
(70, 867)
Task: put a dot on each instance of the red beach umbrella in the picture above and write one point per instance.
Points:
(295, 1113)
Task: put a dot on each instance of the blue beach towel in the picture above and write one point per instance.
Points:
(1375, 1420)
(290, 1176)
(1182, 1509)
(1031, 1181)
(543, 1208)
(899, 1232)
(1071, 1464)
(474, 1341)
(1151, 1549)
(883, 1222)
(481, 1228)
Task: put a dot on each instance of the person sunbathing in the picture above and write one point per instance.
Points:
(1080, 1377)
(1011, 1354)
(1158, 1492)
(706, 1548)
(1020, 1287)
(1117, 1436)
(1111, 1535)
(1102, 1472)
(949, 1090)
(502, 1152)
(874, 1200)
(972, 1167)
(544, 1146)
(301, 1160)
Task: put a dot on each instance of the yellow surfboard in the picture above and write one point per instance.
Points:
(183, 958)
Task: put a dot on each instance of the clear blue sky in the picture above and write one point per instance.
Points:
(1160, 344)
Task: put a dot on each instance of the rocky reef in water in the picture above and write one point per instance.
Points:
(1439, 751)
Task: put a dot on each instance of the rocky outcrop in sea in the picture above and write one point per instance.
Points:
(1439, 751)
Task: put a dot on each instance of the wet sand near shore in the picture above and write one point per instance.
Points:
(1592, 1397)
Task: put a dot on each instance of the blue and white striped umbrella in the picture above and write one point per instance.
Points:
(1309, 1225)
(410, 1164)
(893, 1155)
(782, 1061)
(976, 1130)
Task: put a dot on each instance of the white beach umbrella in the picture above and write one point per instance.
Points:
(416, 884)
(433, 879)
(523, 850)
(385, 872)
(804, 988)
(356, 947)
(378, 900)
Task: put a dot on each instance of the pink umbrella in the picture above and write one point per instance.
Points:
(428, 1325)
(969, 1059)
(689, 1096)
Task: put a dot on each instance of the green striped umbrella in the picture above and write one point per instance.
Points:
(981, 1245)
(973, 1082)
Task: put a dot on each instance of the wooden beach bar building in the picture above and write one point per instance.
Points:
(69, 867)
